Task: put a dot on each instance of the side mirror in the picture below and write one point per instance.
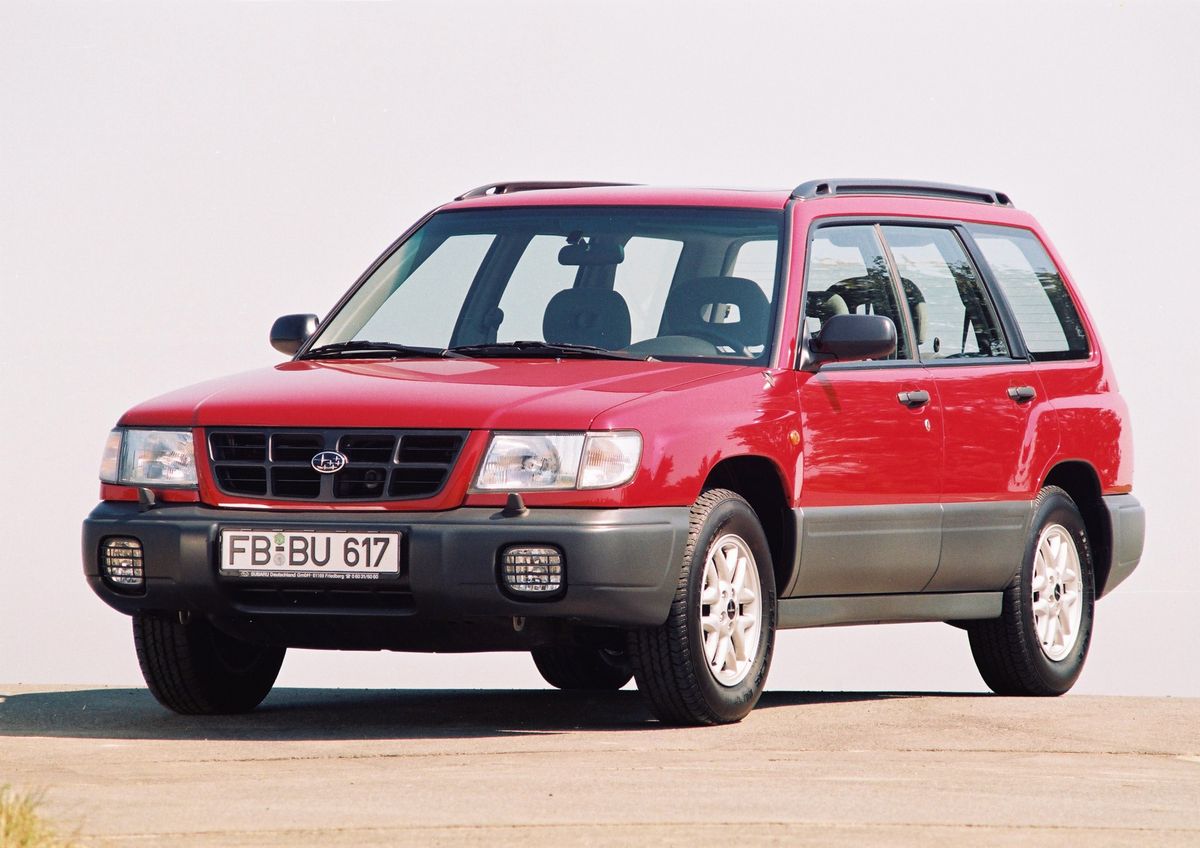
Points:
(291, 331)
(850, 338)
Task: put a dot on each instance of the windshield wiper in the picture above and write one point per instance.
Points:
(383, 350)
(543, 349)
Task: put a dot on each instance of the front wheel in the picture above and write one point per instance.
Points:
(1039, 643)
(193, 668)
(581, 668)
(708, 663)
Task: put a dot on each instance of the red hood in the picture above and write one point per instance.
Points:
(445, 393)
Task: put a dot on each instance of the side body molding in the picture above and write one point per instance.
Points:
(907, 549)
(982, 545)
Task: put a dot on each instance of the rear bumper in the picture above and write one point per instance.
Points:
(1127, 519)
(621, 564)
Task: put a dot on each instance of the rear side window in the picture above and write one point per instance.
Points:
(952, 315)
(1034, 290)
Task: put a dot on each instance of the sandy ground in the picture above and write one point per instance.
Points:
(375, 768)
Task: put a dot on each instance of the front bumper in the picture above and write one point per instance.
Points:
(621, 564)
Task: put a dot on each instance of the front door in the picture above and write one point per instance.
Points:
(869, 520)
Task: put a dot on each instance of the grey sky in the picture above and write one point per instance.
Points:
(174, 176)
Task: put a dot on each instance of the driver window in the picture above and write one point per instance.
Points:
(848, 274)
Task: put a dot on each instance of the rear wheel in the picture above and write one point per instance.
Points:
(578, 668)
(1040, 641)
(193, 668)
(708, 663)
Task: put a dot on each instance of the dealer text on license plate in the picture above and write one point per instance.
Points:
(294, 553)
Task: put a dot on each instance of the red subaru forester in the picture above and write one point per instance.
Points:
(634, 431)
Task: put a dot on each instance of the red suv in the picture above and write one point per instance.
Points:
(634, 431)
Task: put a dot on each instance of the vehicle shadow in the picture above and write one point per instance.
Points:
(344, 714)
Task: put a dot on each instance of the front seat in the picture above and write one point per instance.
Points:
(597, 317)
(703, 307)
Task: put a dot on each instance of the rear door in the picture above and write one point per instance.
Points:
(992, 403)
(870, 521)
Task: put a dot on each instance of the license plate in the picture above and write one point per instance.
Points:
(295, 553)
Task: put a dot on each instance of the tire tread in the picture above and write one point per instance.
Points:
(579, 669)
(184, 674)
(1003, 653)
(660, 656)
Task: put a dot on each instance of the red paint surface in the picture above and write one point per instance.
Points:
(858, 445)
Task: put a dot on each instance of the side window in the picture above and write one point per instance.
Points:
(1034, 290)
(848, 274)
(644, 279)
(423, 309)
(756, 261)
(537, 278)
(951, 313)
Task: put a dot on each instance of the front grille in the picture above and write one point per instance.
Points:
(380, 465)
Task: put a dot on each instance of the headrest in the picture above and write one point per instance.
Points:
(706, 302)
(875, 291)
(598, 317)
(823, 305)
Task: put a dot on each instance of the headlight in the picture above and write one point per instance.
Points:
(149, 458)
(542, 461)
(517, 461)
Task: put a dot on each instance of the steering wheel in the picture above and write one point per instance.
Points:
(716, 337)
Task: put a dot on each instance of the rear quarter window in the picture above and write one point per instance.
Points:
(1035, 292)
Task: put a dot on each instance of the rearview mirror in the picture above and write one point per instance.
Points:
(291, 331)
(850, 338)
(593, 251)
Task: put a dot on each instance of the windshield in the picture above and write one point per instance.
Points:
(677, 283)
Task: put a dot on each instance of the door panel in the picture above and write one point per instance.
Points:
(854, 550)
(870, 519)
(990, 404)
(990, 435)
(989, 474)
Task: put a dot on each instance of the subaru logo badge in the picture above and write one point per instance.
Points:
(329, 462)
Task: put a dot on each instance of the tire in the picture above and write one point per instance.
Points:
(1040, 641)
(576, 668)
(690, 679)
(193, 668)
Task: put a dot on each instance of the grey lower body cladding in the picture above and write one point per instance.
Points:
(935, 561)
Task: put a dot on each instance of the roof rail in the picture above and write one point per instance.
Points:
(510, 187)
(829, 187)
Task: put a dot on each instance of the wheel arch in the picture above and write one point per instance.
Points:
(1080, 480)
(760, 482)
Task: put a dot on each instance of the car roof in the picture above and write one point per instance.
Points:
(534, 194)
(822, 192)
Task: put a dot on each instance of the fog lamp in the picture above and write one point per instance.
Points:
(121, 563)
(532, 569)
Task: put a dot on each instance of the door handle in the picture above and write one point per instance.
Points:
(1022, 394)
(913, 399)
